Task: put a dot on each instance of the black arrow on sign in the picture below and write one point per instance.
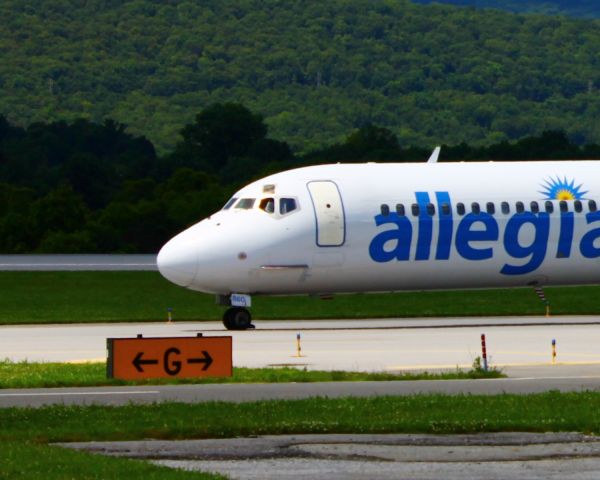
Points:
(207, 360)
(138, 362)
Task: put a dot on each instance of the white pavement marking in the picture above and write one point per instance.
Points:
(570, 377)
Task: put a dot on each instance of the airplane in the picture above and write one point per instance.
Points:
(385, 227)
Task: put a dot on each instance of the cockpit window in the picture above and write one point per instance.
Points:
(246, 203)
(230, 203)
(287, 205)
(268, 205)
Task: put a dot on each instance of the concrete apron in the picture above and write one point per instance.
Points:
(391, 456)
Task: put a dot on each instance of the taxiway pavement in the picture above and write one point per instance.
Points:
(521, 347)
(361, 345)
(287, 391)
(77, 262)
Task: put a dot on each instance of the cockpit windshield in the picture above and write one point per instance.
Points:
(283, 205)
(287, 205)
(230, 203)
(271, 205)
(245, 203)
(268, 205)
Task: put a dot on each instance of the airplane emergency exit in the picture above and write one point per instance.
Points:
(381, 227)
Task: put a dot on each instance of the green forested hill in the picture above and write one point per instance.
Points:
(314, 69)
(576, 8)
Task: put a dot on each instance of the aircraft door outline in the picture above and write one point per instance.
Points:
(329, 213)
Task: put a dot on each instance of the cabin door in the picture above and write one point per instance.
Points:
(329, 213)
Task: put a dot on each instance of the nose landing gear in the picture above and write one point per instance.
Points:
(237, 318)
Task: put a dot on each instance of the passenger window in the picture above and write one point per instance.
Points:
(415, 209)
(578, 206)
(520, 207)
(564, 207)
(287, 205)
(230, 203)
(475, 208)
(460, 208)
(549, 206)
(535, 208)
(505, 207)
(592, 205)
(490, 208)
(246, 203)
(268, 205)
(430, 209)
(385, 210)
(400, 209)
(445, 209)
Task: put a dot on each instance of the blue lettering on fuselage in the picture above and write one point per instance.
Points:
(477, 235)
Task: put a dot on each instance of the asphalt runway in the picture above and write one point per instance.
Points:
(147, 394)
(521, 347)
(76, 262)
(361, 345)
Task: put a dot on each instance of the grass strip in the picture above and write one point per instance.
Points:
(26, 460)
(24, 432)
(67, 297)
(45, 375)
(443, 414)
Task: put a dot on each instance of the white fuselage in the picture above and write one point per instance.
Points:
(389, 227)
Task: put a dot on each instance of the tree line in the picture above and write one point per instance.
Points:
(576, 8)
(85, 187)
(316, 70)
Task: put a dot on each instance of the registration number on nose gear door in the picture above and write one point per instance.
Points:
(238, 300)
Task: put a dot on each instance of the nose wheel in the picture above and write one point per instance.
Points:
(237, 318)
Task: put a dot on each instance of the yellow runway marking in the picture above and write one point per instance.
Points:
(547, 363)
(494, 364)
(426, 367)
(88, 360)
(546, 353)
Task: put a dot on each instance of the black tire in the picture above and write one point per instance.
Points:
(237, 318)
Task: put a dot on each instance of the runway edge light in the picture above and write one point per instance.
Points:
(298, 346)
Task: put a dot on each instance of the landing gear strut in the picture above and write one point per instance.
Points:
(237, 318)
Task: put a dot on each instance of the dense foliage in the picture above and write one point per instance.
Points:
(577, 8)
(316, 70)
(85, 187)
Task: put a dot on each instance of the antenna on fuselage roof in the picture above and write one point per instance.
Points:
(434, 155)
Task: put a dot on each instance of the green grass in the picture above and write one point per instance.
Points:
(443, 414)
(42, 375)
(26, 460)
(65, 297)
(25, 432)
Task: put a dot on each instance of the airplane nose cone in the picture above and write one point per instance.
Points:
(178, 261)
